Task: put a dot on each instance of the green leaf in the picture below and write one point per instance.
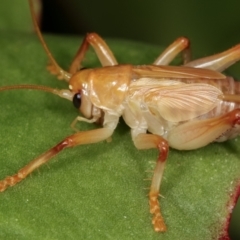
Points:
(14, 15)
(97, 191)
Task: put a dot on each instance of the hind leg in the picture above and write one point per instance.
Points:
(218, 62)
(199, 133)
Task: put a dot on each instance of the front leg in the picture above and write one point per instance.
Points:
(101, 49)
(79, 138)
(146, 141)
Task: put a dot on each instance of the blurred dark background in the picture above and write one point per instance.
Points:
(212, 26)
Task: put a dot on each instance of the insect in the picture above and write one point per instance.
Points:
(183, 107)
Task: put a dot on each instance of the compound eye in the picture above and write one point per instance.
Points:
(83, 68)
(77, 100)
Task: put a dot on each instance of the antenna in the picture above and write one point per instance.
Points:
(54, 67)
(63, 93)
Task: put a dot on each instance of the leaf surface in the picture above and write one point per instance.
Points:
(97, 191)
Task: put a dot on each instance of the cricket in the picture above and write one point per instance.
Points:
(182, 107)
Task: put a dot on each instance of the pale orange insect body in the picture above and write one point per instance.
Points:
(184, 107)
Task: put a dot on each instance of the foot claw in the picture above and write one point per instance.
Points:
(53, 70)
(9, 182)
(157, 221)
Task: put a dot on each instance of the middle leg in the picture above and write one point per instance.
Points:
(180, 45)
(146, 141)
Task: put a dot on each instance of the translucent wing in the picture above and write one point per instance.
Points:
(182, 102)
(174, 72)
